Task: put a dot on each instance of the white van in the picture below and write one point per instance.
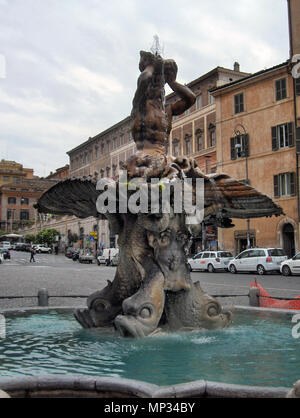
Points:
(5, 244)
(107, 255)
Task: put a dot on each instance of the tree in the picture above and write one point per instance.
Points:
(30, 238)
(47, 236)
(72, 238)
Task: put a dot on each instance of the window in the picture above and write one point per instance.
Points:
(188, 146)
(96, 151)
(206, 255)
(199, 102)
(176, 148)
(12, 200)
(200, 142)
(5, 178)
(24, 215)
(211, 99)
(212, 135)
(284, 185)
(197, 256)
(276, 252)
(122, 140)
(282, 136)
(240, 146)
(239, 103)
(245, 254)
(187, 112)
(280, 86)
(24, 201)
(114, 143)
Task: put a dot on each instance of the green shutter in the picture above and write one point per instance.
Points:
(246, 145)
(290, 130)
(276, 186)
(274, 138)
(293, 184)
(297, 86)
(232, 148)
(298, 140)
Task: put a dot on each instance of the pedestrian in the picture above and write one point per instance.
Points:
(32, 253)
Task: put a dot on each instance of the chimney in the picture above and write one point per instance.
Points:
(236, 67)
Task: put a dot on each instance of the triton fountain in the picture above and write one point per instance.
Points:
(152, 289)
(152, 293)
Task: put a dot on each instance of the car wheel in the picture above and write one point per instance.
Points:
(232, 269)
(210, 268)
(260, 270)
(98, 262)
(286, 271)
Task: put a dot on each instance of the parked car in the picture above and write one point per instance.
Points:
(291, 266)
(86, 258)
(40, 248)
(22, 246)
(115, 260)
(107, 255)
(5, 244)
(261, 260)
(6, 253)
(210, 261)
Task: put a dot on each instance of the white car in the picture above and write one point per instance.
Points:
(107, 255)
(39, 248)
(260, 260)
(291, 266)
(210, 261)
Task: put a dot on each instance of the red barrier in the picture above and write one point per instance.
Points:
(266, 301)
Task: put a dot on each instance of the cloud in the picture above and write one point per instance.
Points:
(71, 67)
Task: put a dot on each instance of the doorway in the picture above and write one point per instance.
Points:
(288, 236)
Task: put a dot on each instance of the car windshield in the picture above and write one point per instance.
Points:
(224, 254)
(276, 252)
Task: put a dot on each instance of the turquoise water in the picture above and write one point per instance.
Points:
(254, 350)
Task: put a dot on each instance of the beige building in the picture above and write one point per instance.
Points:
(12, 171)
(256, 143)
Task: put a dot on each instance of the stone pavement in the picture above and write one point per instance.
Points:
(62, 276)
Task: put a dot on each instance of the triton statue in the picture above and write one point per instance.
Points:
(152, 288)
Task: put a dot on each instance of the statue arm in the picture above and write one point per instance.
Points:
(187, 98)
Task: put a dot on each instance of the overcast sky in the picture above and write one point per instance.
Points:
(68, 68)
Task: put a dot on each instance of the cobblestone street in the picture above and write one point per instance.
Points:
(62, 276)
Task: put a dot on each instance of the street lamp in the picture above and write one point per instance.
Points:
(240, 135)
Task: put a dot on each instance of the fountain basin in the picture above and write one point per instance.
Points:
(46, 351)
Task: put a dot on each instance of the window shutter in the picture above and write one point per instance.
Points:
(298, 140)
(232, 146)
(276, 186)
(290, 134)
(274, 138)
(246, 145)
(292, 184)
(297, 83)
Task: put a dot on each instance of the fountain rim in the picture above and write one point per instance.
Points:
(87, 386)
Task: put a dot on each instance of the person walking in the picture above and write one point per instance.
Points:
(32, 253)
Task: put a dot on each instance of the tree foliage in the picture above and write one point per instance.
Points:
(47, 236)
